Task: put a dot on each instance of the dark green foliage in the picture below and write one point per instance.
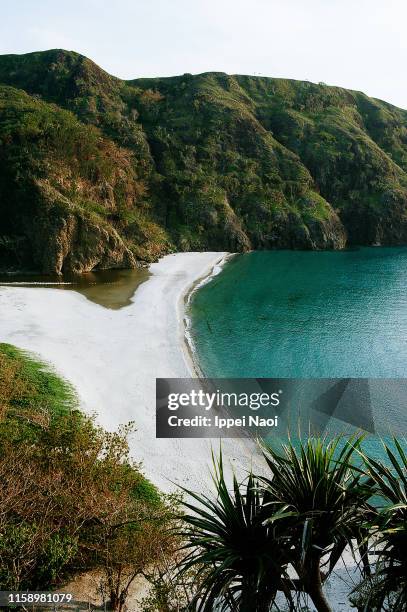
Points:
(324, 495)
(139, 168)
(317, 481)
(386, 589)
(240, 560)
(285, 533)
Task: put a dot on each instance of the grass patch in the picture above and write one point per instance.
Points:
(28, 386)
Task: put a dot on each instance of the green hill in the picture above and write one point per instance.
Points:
(100, 172)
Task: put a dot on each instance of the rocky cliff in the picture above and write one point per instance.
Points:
(96, 172)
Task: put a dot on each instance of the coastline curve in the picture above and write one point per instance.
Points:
(185, 323)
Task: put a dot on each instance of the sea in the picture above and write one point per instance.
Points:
(311, 315)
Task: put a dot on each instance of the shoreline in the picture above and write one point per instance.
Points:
(185, 321)
(112, 358)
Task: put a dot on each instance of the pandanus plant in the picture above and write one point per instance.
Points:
(318, 486)
(387, 588)
(239, 560)
(243, 542)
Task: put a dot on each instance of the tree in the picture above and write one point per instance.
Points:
(71, 498)
(238, 559)
(130, 541)
(170, 591)
(324, 496)
(386, 589)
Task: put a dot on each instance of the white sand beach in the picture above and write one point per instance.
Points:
(112, 358)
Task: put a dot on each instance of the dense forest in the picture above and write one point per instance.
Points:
(97, 172)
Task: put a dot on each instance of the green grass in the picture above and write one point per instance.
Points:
(28, 386)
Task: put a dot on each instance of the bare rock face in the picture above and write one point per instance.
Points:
(80, 246)
(64, 241)
(328, 234)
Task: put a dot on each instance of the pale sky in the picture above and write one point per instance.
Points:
(360, 44)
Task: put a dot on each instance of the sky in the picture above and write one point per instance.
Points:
(359, 44)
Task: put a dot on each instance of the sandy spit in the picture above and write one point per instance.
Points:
(113, 358)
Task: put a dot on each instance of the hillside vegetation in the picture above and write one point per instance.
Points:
(71, 498)
(97, 172)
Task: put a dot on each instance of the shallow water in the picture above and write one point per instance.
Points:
(109, 288)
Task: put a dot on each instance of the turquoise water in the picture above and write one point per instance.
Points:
(297, 314)
(305, 314)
